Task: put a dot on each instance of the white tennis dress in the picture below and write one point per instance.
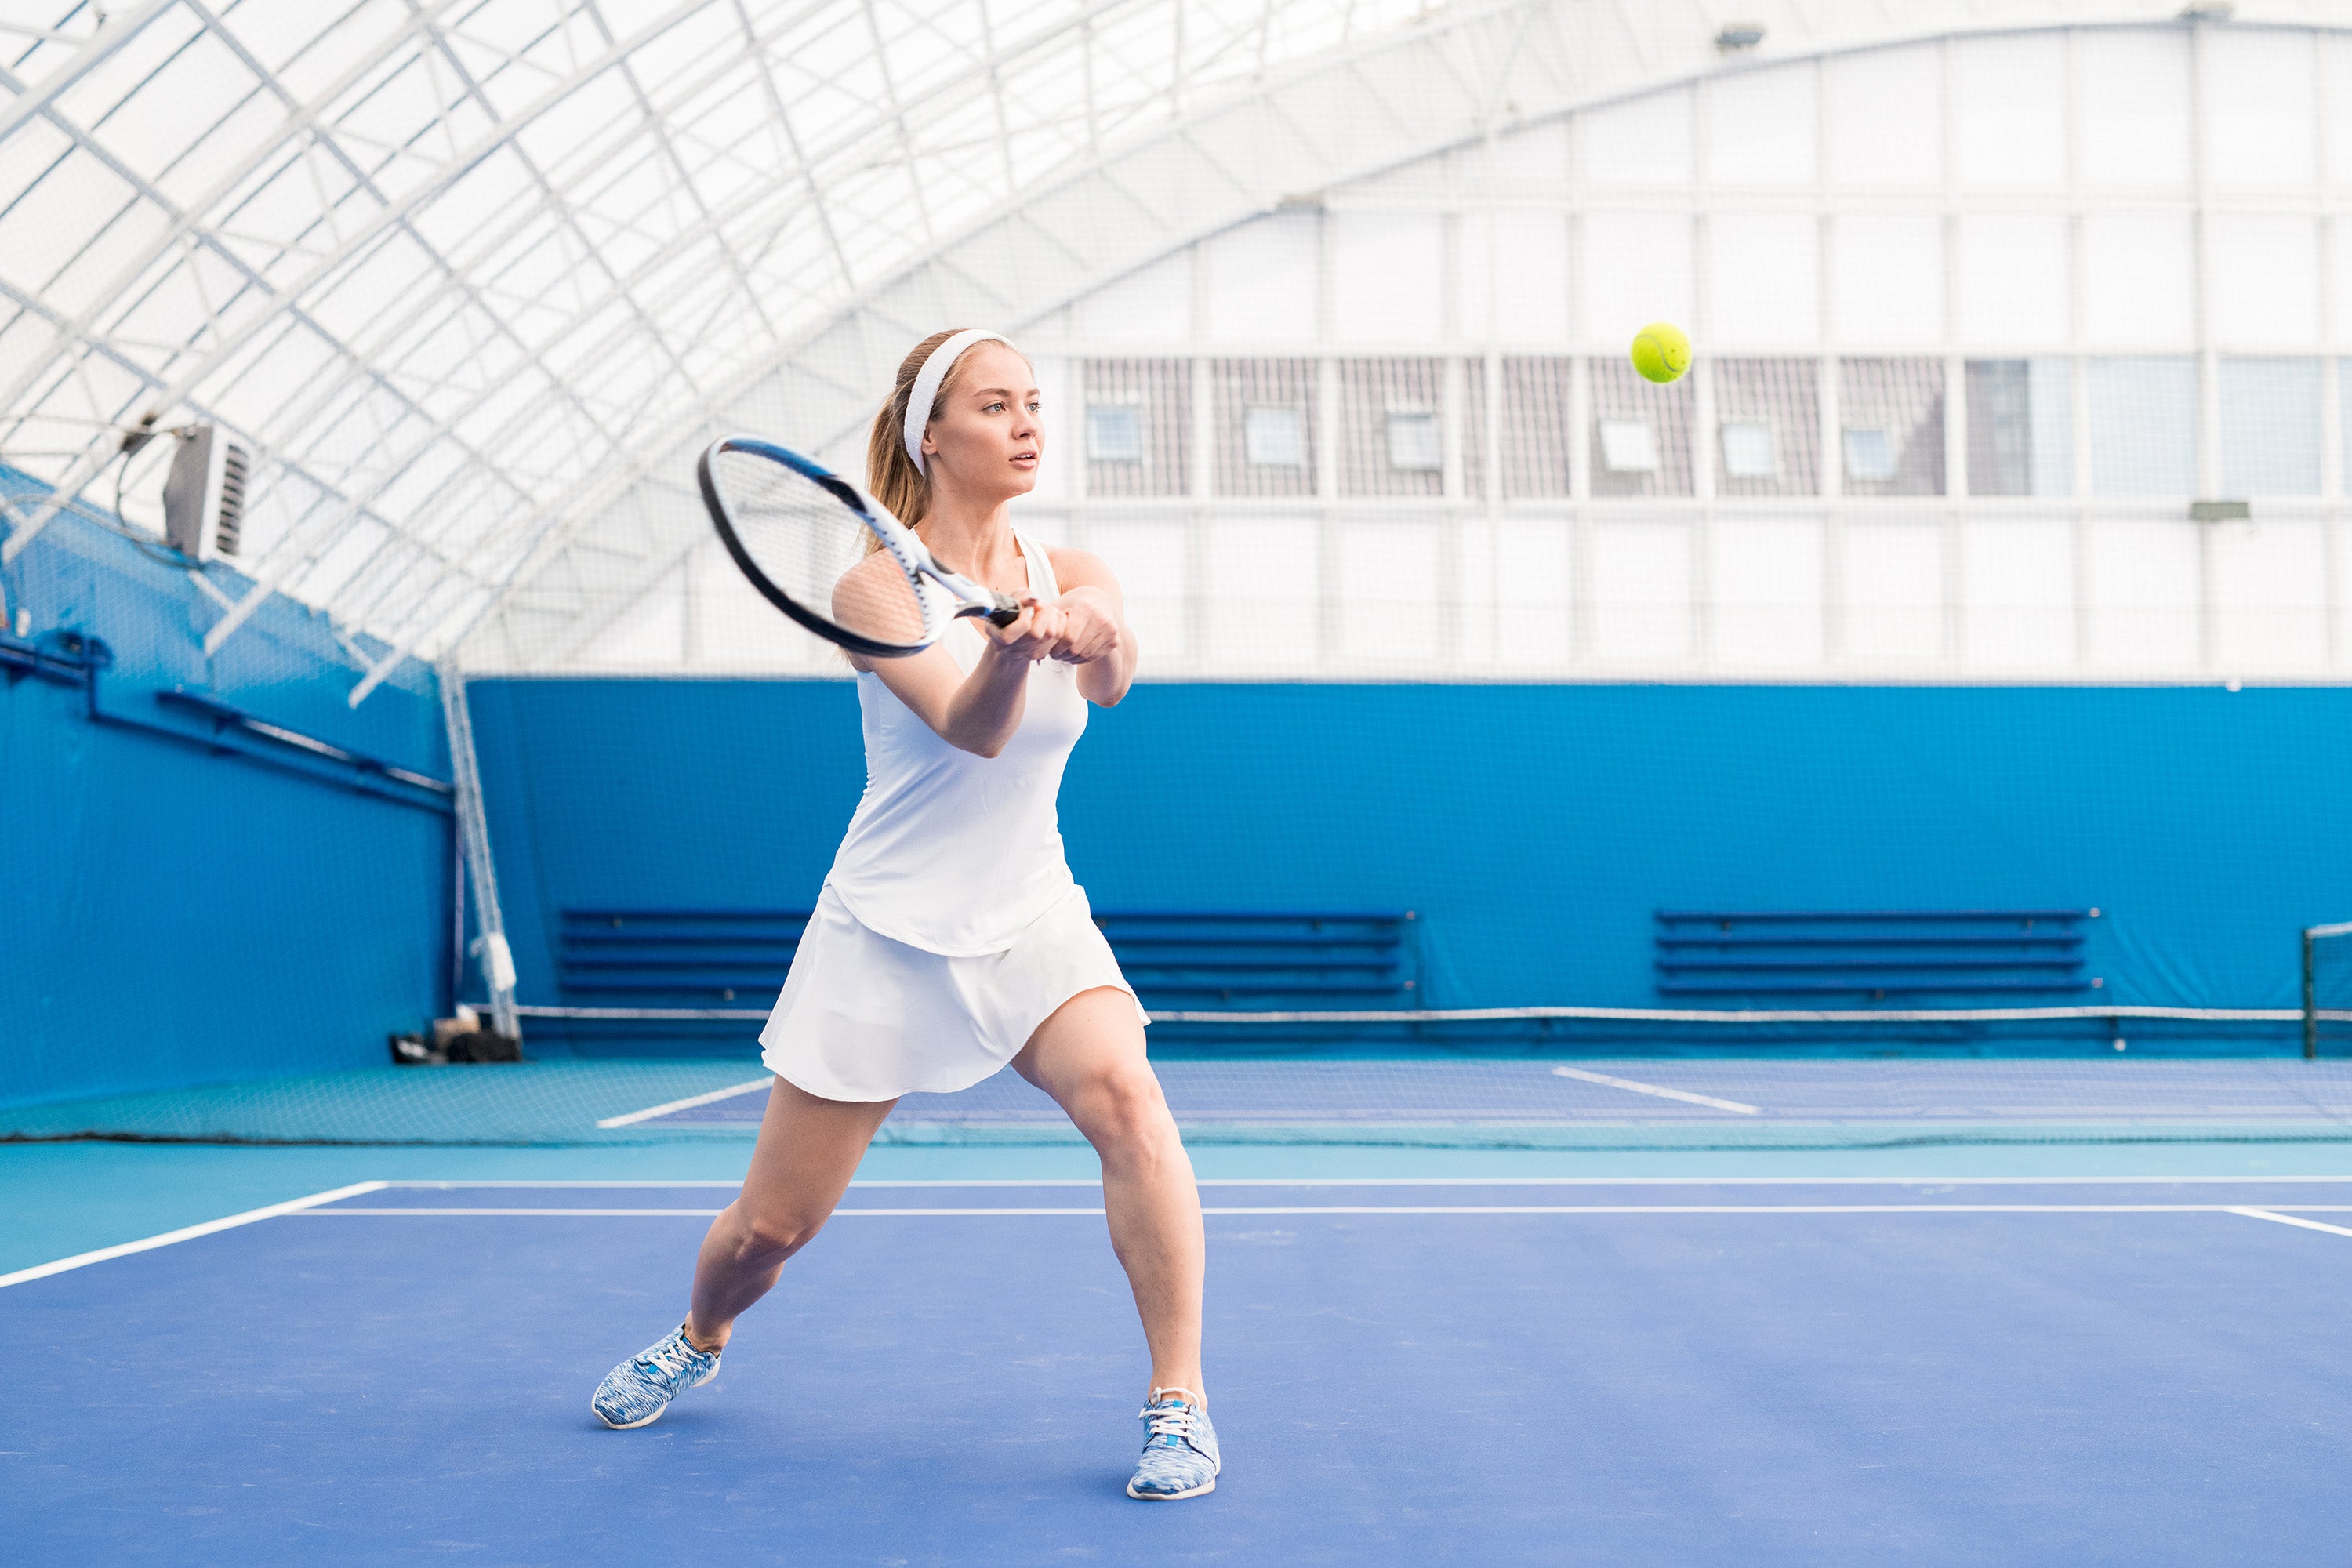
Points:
(949, 926)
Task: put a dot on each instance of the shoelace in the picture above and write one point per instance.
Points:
(1167, 1421)
(670, 1356)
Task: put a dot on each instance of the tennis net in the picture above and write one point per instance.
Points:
(1536, 1096)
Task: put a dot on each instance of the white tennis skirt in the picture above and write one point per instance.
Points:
(865, 1017)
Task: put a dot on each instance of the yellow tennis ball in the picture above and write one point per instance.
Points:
(1661, 353)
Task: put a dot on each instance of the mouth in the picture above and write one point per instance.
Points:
(1024, 459)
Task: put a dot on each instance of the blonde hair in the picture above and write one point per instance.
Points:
(891, 476)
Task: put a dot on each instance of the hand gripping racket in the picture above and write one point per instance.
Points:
(806, 538)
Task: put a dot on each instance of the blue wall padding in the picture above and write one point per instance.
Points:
(182, 917)
(1534, 828)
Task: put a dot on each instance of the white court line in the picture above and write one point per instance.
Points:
(307, 1207)
(1461, 1182)
(2290, 1220)
(370, 1211)
(1662, 1093)
(187, 1233)
(689, 1103)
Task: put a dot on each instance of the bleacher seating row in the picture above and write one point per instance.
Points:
(1871, 955)
(1178, 961)
(1254, 962)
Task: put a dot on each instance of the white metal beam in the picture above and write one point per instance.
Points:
(113, 32)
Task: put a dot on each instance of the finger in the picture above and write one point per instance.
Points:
(1014, 630)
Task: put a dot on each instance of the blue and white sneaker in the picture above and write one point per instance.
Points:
(1180, 1449)
(636, 1392)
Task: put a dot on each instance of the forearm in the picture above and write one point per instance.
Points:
(1105, 680)
(986, 709)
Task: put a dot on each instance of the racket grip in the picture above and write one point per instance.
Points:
(1005, 612)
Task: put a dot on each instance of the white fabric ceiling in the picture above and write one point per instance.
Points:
(436, 261)
(460, 271)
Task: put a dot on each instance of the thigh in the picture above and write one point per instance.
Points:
(1090, 1051)
(808, 1150)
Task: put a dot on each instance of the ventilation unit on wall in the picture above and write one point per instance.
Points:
(203, 496)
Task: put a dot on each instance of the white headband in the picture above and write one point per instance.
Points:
(927, 387)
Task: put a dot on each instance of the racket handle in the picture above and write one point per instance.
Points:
(1005, 613)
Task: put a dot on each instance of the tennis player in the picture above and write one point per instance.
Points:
(949, 937)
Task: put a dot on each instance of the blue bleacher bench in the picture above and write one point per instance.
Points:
(675, 958)
(1199, 961)
(1187, 960)
(1871, 955)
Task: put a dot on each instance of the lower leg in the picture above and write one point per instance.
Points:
(1089, 1056)
(1154, 1209)
(808, 1151)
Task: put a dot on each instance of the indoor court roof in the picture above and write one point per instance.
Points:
(463, 273)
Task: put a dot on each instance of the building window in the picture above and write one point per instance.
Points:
(1139, 426)
(1628, 446)
(2020, 427)
(1893, 414)
(1768, 425)
(1389, 436)
(1869, 455)
(1273, 436)
(1115, 433)
(1749, 453)
(1267, 413)
(1415, 445)
(2143, 426)
(2270, 427)
(1538, 426)
(1642, 441)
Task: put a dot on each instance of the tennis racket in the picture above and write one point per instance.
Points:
(806, 537)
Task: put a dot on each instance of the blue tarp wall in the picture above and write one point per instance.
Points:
(177, 915)
(1534, 829)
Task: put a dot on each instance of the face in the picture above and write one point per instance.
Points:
(986, 442)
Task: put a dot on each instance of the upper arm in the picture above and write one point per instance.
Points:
(874, 599)
(925, 682)
(1085, 569)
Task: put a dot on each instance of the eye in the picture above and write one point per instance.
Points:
(992, 407)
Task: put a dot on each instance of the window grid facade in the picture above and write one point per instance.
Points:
(1978, 318)
(1827, 567)
(1962, 371)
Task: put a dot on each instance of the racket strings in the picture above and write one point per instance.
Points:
(816, 550)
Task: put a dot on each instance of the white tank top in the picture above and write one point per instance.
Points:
(950, 851)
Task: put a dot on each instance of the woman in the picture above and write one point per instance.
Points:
(949, 936)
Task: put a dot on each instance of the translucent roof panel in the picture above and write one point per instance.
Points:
(444, 266)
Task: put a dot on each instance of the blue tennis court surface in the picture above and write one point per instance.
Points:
(1739, 1093)
(1441, 1100)
(1792, 1370)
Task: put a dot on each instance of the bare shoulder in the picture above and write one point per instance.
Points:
(879, 565)
(1080, 568)
(871, 596)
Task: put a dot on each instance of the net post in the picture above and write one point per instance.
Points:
(473, 830)
(2310, 1004)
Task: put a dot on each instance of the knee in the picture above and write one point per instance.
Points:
(771, 1236)
(1126, 1109)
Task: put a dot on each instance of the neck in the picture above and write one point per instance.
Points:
(971, 537)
